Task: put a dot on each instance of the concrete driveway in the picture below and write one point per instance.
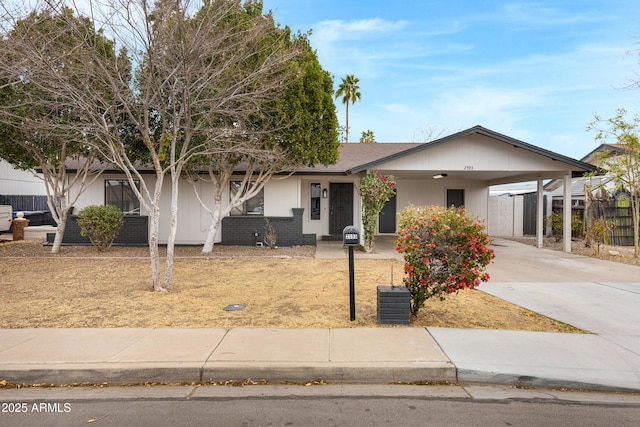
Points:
(517, 262)
(599, 296)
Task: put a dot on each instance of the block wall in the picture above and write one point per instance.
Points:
(505, 216)
(134, 232)
(248, 230)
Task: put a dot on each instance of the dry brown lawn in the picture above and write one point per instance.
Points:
(282, 288)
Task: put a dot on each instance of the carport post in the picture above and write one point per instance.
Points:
(540, 214)
(566, 214)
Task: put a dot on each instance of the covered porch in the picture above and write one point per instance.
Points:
(458, 170)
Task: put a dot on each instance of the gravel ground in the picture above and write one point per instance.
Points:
(281, 288)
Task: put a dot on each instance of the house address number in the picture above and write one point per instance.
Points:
(351, 237)
(468, 168)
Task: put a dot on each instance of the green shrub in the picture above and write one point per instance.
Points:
(445, 250)
(100, 224)
(597, 233)
(557, 224)
(375, 190)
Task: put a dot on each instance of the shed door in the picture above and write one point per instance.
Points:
(455, 197)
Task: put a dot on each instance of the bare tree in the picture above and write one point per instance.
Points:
(427, 134)
(173, 90)
(35, 110)
(279, 135)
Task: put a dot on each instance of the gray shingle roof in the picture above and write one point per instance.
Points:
(354, 155)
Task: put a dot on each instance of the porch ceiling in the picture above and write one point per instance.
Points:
(490, 177)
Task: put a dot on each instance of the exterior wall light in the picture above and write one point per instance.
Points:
(324, 193)
(440, 176)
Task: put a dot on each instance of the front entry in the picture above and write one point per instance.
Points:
(340, 207)
(387, 216)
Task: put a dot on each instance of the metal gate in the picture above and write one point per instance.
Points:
(529, 213)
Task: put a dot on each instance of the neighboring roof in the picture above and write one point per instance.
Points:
(513, 189)
(612, 148)
(555, 188)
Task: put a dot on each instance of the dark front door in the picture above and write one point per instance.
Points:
(340, 206)
(387, 216)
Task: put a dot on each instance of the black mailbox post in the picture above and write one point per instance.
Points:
(351, 238)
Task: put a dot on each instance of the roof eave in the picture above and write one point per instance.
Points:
(583, 167)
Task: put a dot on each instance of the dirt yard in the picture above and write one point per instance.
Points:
(281, 288)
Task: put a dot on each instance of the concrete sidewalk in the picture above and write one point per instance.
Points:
(380, 355)
(598, 296)
(63, 356)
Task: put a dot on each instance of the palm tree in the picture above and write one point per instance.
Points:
(367, 137)
(349, 91)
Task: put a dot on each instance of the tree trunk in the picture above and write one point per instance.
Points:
(173, 225)
(214, 226)
(154, 254)
(60, 227)
(347, 120)
(154, 230)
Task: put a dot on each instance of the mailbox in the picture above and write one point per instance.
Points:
(350, 236)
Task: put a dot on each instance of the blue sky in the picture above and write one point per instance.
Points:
(537, 71)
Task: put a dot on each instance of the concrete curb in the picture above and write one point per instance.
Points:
(388, 372)
(122, 374)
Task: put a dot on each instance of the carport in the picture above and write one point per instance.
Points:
(473, 160)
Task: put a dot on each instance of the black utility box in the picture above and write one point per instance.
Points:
(394, 305)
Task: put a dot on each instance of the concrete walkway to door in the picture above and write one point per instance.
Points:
(384, 248)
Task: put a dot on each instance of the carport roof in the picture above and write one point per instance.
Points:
(358, 157)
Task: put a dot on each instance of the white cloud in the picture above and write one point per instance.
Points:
(542, 16)
(336, 30)
(371, 47)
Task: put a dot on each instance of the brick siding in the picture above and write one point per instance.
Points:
(242, 230)
(134, 232)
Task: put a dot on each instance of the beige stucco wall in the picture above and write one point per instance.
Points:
(193, 219)
(434, 192)
(280, 196)
(15, 182)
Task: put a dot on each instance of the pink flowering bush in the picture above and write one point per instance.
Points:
(445, 250)
(375, 191)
